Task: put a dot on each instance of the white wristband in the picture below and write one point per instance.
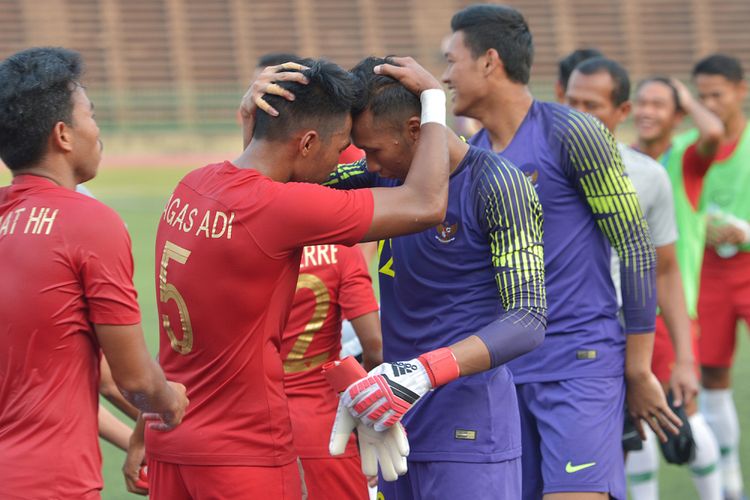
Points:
(433, 106)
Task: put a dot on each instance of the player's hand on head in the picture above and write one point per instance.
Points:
(684, 96)
(646, 401)
(411, 75)
(684, 382)
(266, 84)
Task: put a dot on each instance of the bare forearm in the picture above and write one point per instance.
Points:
(420, 203)
(113, 430)
(639, 348)
(111, 393)
(427, 180)
(367, 328)
(710, 128)
(471, 355)
(122, 404)
(136, 374)
(149, 390)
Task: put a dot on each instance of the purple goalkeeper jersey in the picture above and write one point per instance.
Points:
(590, 206)
(483, 264)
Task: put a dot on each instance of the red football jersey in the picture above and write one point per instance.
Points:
(228, 251)
(65, 263)
(333, 283)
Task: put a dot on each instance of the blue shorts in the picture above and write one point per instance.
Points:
(455, 480)
(571, 433)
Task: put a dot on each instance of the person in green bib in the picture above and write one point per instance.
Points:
(659, 107)
(724, 296)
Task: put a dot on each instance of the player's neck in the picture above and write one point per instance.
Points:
(269, 159)
(655, 148)
(502, 113)
(60, 176)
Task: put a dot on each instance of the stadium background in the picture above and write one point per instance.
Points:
(166, 77)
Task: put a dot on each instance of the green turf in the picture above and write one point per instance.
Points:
(139, 196)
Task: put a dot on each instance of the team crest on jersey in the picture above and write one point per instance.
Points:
(446, 232)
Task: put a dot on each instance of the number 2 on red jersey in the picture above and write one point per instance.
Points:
(296, 362)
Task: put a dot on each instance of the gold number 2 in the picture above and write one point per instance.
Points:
(168, 291)
(295, 362)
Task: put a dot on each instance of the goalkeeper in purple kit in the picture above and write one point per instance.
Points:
(458, 300)
(572, 389)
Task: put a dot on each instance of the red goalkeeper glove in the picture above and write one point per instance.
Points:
(381, 399)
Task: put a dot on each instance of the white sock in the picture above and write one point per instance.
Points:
(718, 407)
(642, 469)
(705, 465)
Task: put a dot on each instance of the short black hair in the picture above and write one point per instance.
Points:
(330, 95)
(276, 58)
(665, 81)
(36, 89)
(384, 96)
(568, 63)
(620, 79)
(501, 28)
(722, 65)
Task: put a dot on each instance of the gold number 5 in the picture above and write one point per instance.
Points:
(167, 292)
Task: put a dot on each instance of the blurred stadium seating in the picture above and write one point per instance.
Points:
(165, 64)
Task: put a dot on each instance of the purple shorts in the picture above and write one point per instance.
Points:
(571, 434)
(455, 480)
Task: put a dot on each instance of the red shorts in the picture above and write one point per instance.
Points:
(169, 481)
(663, 358)
(724, 299)
(335, 478)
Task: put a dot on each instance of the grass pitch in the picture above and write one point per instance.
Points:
(139, 195)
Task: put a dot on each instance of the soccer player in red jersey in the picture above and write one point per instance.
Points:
(228, 248)
(334, 283)
(724, 296)
(66, 290)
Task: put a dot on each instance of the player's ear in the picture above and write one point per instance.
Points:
(61, 137)
(624, 111)
(309, 141)
(413, 128)
(492, 62)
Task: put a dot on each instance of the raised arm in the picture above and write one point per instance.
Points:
(710, 128)
(420, 202)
